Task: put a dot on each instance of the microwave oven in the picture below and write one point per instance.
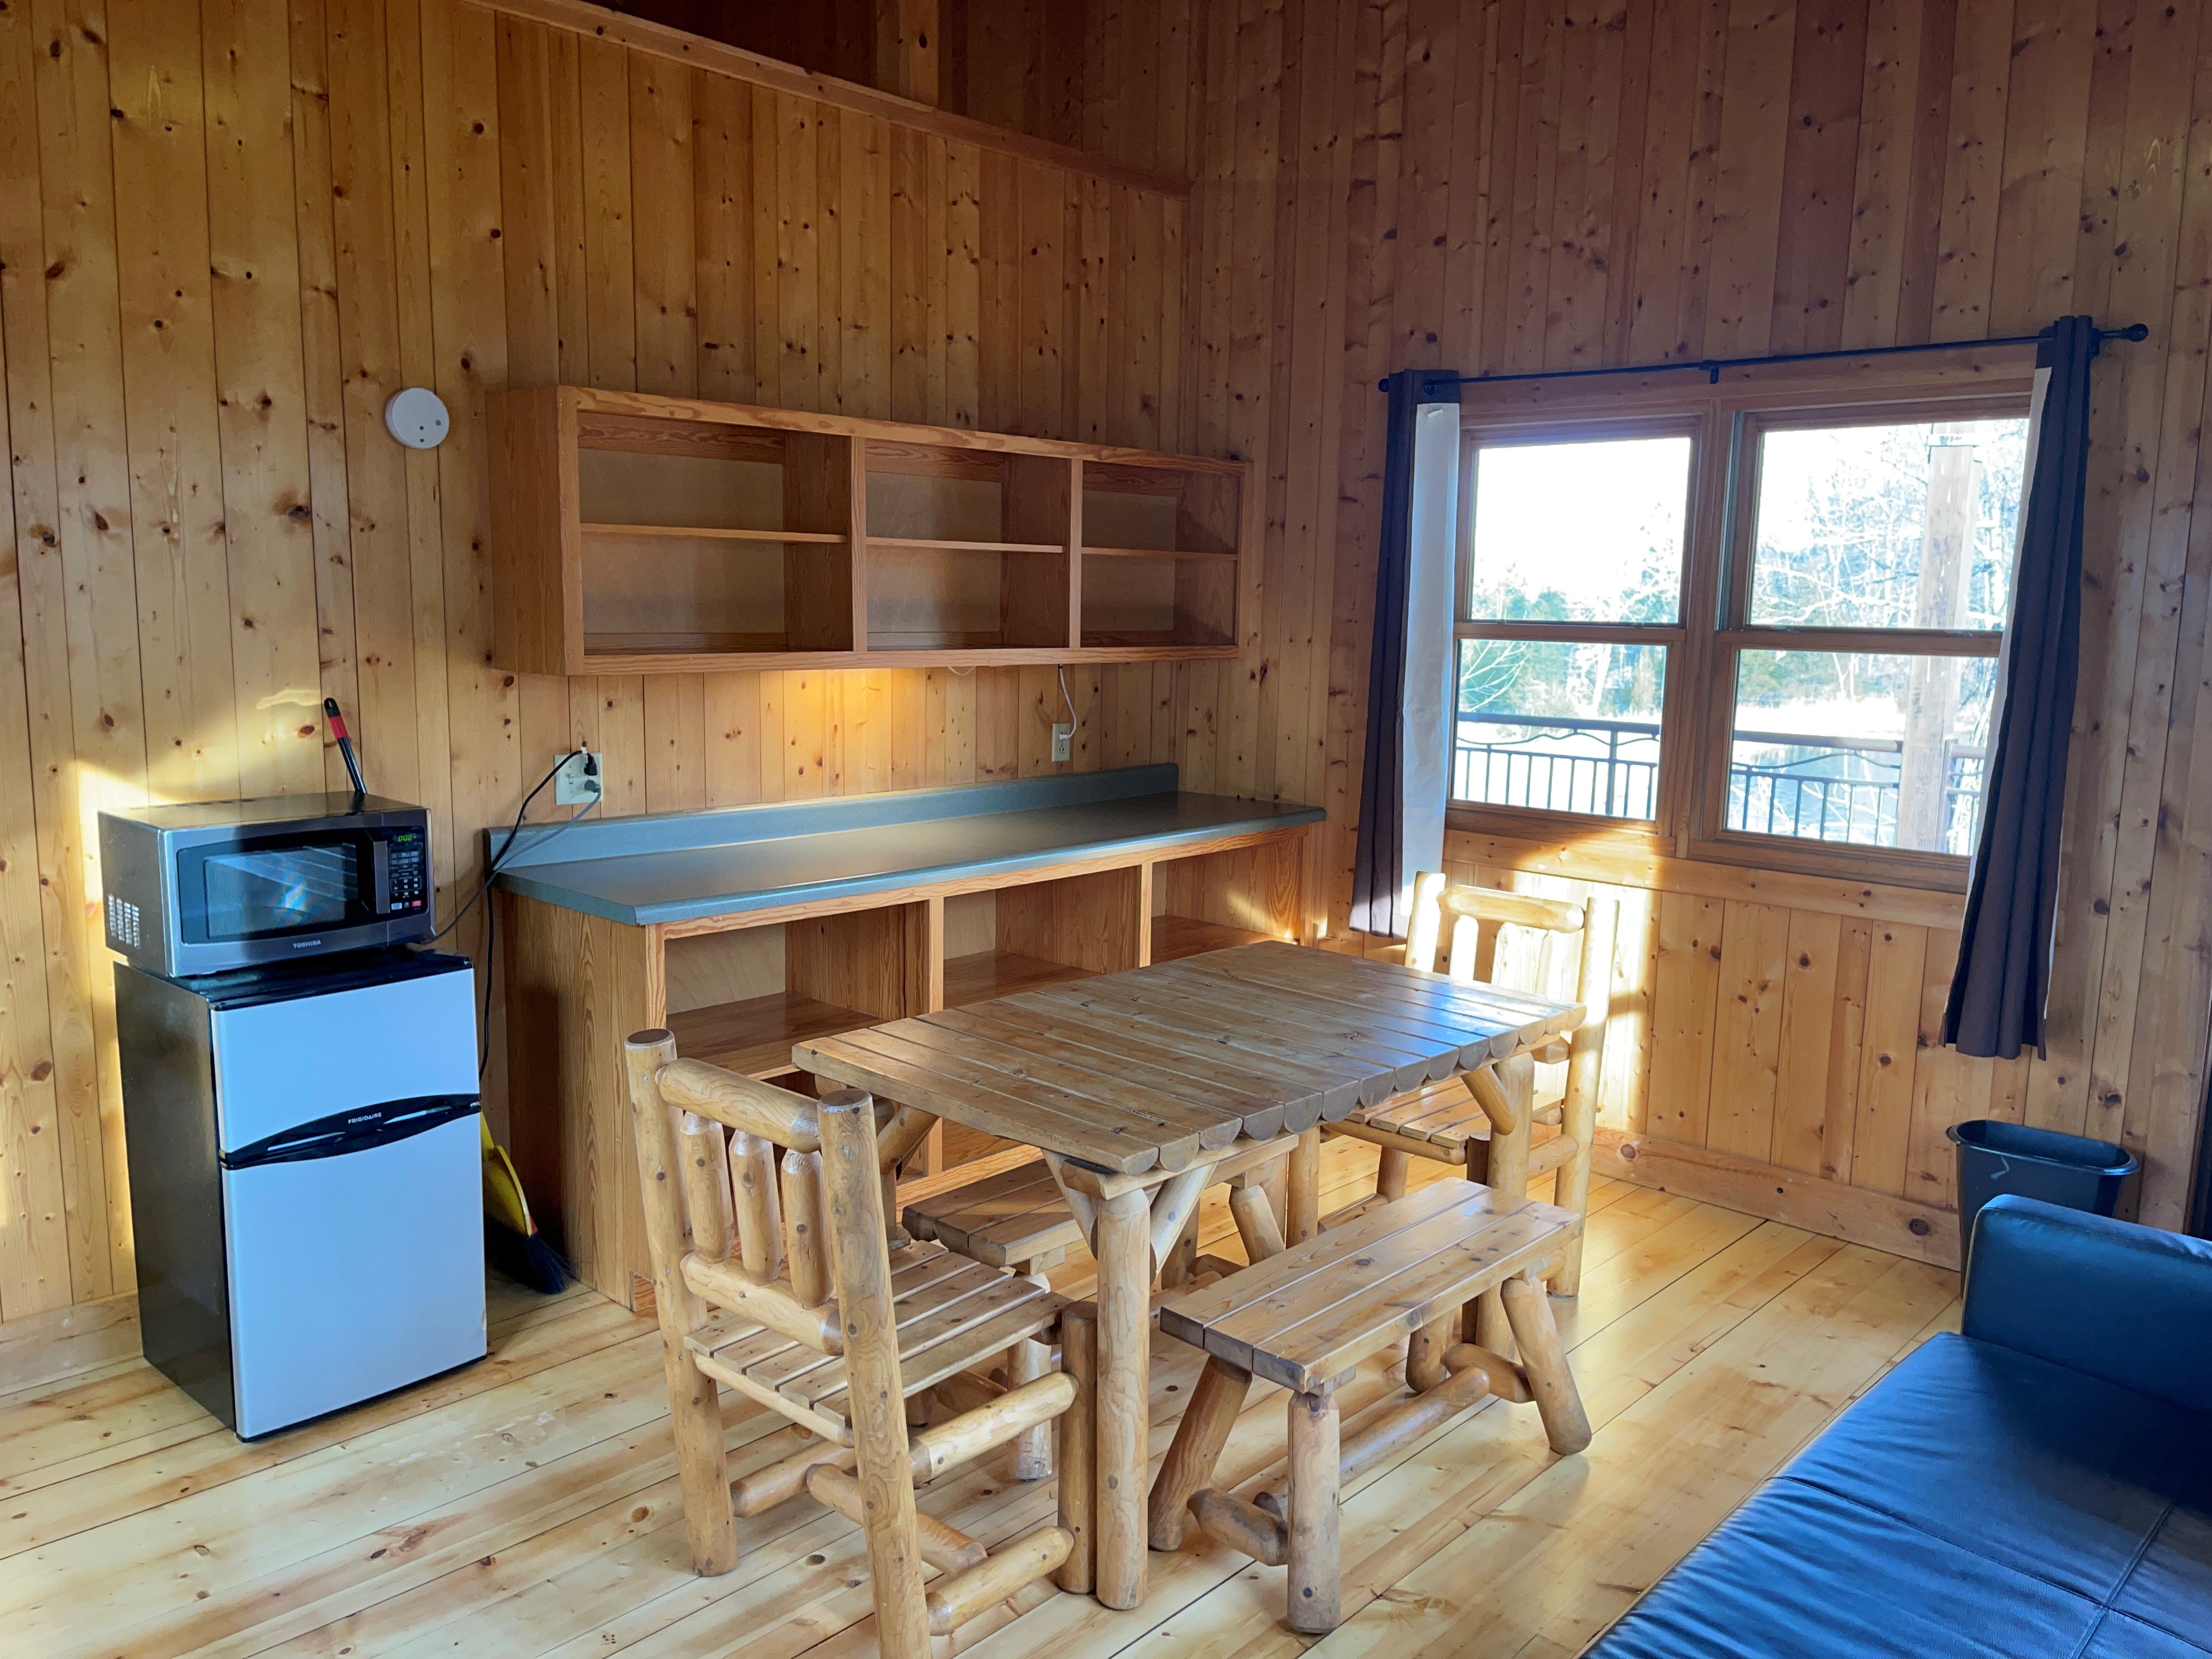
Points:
(212, 886)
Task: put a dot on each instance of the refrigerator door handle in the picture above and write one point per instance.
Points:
(355, 1130)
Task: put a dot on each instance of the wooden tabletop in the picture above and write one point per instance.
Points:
(1154, 1068)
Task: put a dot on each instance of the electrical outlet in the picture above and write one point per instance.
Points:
(578, 782)
(1063, 742)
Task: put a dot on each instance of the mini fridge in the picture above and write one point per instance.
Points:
(306, 1180)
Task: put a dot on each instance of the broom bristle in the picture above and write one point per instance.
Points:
(526, 1259)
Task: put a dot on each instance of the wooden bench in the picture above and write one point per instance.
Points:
(1304, 1318)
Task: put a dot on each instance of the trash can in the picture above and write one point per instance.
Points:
(2072, 1170)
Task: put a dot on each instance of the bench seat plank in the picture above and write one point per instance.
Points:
(1305, 1317)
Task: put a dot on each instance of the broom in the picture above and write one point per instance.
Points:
(512, 1241)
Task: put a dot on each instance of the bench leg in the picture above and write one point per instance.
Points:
(1424, 1354)
(1390, 1172)
(1508, 1177)
(1077, 1427)
(1567, 1425)
(1027, 1363)
(1125, 1356)
(1314, 1595)
(1199, 1439)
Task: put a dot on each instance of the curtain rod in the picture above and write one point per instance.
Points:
(1712, 367)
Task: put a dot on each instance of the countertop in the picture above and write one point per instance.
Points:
(682, 866)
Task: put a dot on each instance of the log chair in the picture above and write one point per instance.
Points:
(788, 1291)
(1484, 1121)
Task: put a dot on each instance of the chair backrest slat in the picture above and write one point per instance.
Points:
(742, 1103)
(706, 1204)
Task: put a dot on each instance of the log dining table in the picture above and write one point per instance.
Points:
(1142, 1089)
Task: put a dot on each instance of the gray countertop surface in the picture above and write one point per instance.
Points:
(682, 866)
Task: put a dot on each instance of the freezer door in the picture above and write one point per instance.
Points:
(282, 1064)
(354, 1274)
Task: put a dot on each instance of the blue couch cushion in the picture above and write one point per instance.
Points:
(2041, 1469)
(1978, 1501)
(1799, 1573)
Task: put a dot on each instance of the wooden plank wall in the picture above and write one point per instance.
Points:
(1503, 185)
(229, 229)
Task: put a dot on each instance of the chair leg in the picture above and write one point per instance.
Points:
(1567, 1425)
(1026, 1363)
(695, 1410)
(1255, 1222)
(1390, 1172)
(1182, 1257)
(1314, 1591)
(1302, 1219)
(1199, 1439)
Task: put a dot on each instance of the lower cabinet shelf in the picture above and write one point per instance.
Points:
(988, 974)
(1174, 937)
(754, 1037)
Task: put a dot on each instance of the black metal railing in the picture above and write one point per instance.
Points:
(1609, 769)
(1805, 786)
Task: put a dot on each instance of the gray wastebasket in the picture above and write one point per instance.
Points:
(2072, 1170)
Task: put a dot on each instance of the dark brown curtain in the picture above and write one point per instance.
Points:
(2002, 982)
(1379, 881)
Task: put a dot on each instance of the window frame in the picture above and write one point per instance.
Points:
(1725, 418)
(1669, 791)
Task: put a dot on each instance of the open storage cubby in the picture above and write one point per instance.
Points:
(1041, 932)
(1159, 554)
(740, 998)
(638, 534)
(1213, 900)
(968, 550)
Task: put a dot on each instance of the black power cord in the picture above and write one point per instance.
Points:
(492, 867)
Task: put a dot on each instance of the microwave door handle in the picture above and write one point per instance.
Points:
(333, 1137)
(379, 881)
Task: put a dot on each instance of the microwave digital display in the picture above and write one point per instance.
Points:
(254, 894)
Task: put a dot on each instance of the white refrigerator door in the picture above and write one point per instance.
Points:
(353, 1275)
(278, 1064)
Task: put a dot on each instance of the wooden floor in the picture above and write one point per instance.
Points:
(528, 1505)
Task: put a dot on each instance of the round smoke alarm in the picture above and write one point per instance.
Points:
(417, 417)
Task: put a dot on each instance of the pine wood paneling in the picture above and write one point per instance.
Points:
(229, 231)
(1539, 183)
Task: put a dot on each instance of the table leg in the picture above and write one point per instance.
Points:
(1123, 1244)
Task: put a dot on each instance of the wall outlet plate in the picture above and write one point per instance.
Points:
(1063, 742)
(578, 782)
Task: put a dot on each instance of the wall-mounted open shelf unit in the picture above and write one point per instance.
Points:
(634, 533)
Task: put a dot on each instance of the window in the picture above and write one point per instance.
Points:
(1567, 619)
(1884, 549)
(1763, 621)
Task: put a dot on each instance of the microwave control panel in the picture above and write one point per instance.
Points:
(411, 876)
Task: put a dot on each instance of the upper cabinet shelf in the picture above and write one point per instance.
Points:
(634, 533)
